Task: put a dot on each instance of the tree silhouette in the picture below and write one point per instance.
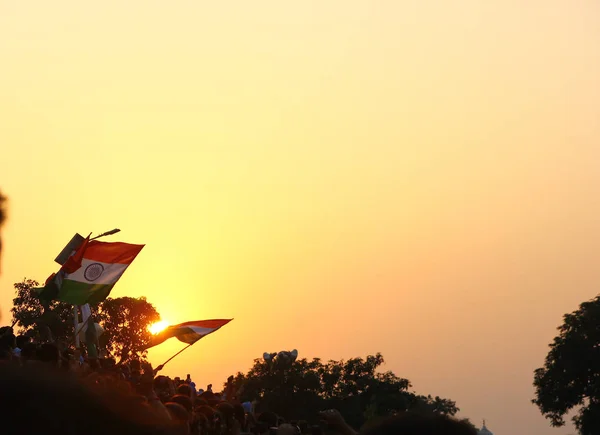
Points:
(354, 387)
(125, 320)
(570, 377)
(43, 321)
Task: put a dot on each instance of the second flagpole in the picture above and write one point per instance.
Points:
(162, 366)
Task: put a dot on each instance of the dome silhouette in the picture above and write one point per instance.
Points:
(484, 430)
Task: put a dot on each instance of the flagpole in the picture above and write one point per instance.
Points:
(108, 233)
(78, 328)
(76, 322)
(162, 366)
(82, 326)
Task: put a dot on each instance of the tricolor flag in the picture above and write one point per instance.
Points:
(189, 332)
(90, 273)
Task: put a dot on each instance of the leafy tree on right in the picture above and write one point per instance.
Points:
(570, 377)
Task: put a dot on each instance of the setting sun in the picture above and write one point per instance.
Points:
(155, 328)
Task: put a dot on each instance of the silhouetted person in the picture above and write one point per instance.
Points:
(265, 421)
(21, 341)
(184, 401)
(28, 352)
(49, 353)
(230, 423)
(240, 415)
(185, 390)
(7, 343)
(181, 417)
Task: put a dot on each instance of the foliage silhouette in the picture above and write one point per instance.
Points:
(125, 321)
(43, 321)
(570, 377)
(354, 387)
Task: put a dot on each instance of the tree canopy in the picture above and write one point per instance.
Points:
(355, 387)
(125, 320)
(40, 319)
(570, 377)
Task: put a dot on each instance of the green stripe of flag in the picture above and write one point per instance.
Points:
(80, 293)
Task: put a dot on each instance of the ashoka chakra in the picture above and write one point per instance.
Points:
(93, 271)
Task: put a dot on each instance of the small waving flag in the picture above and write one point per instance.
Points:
(90, 273)
(189, 332)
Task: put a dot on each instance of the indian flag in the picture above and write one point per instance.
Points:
(102, 264)
(189, 332)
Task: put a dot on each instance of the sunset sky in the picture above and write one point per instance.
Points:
(417, 178)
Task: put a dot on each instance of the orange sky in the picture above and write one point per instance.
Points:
(343, 177)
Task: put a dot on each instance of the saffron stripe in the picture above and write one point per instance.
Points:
(111, 252)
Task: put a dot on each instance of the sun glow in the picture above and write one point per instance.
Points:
(155, 328)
